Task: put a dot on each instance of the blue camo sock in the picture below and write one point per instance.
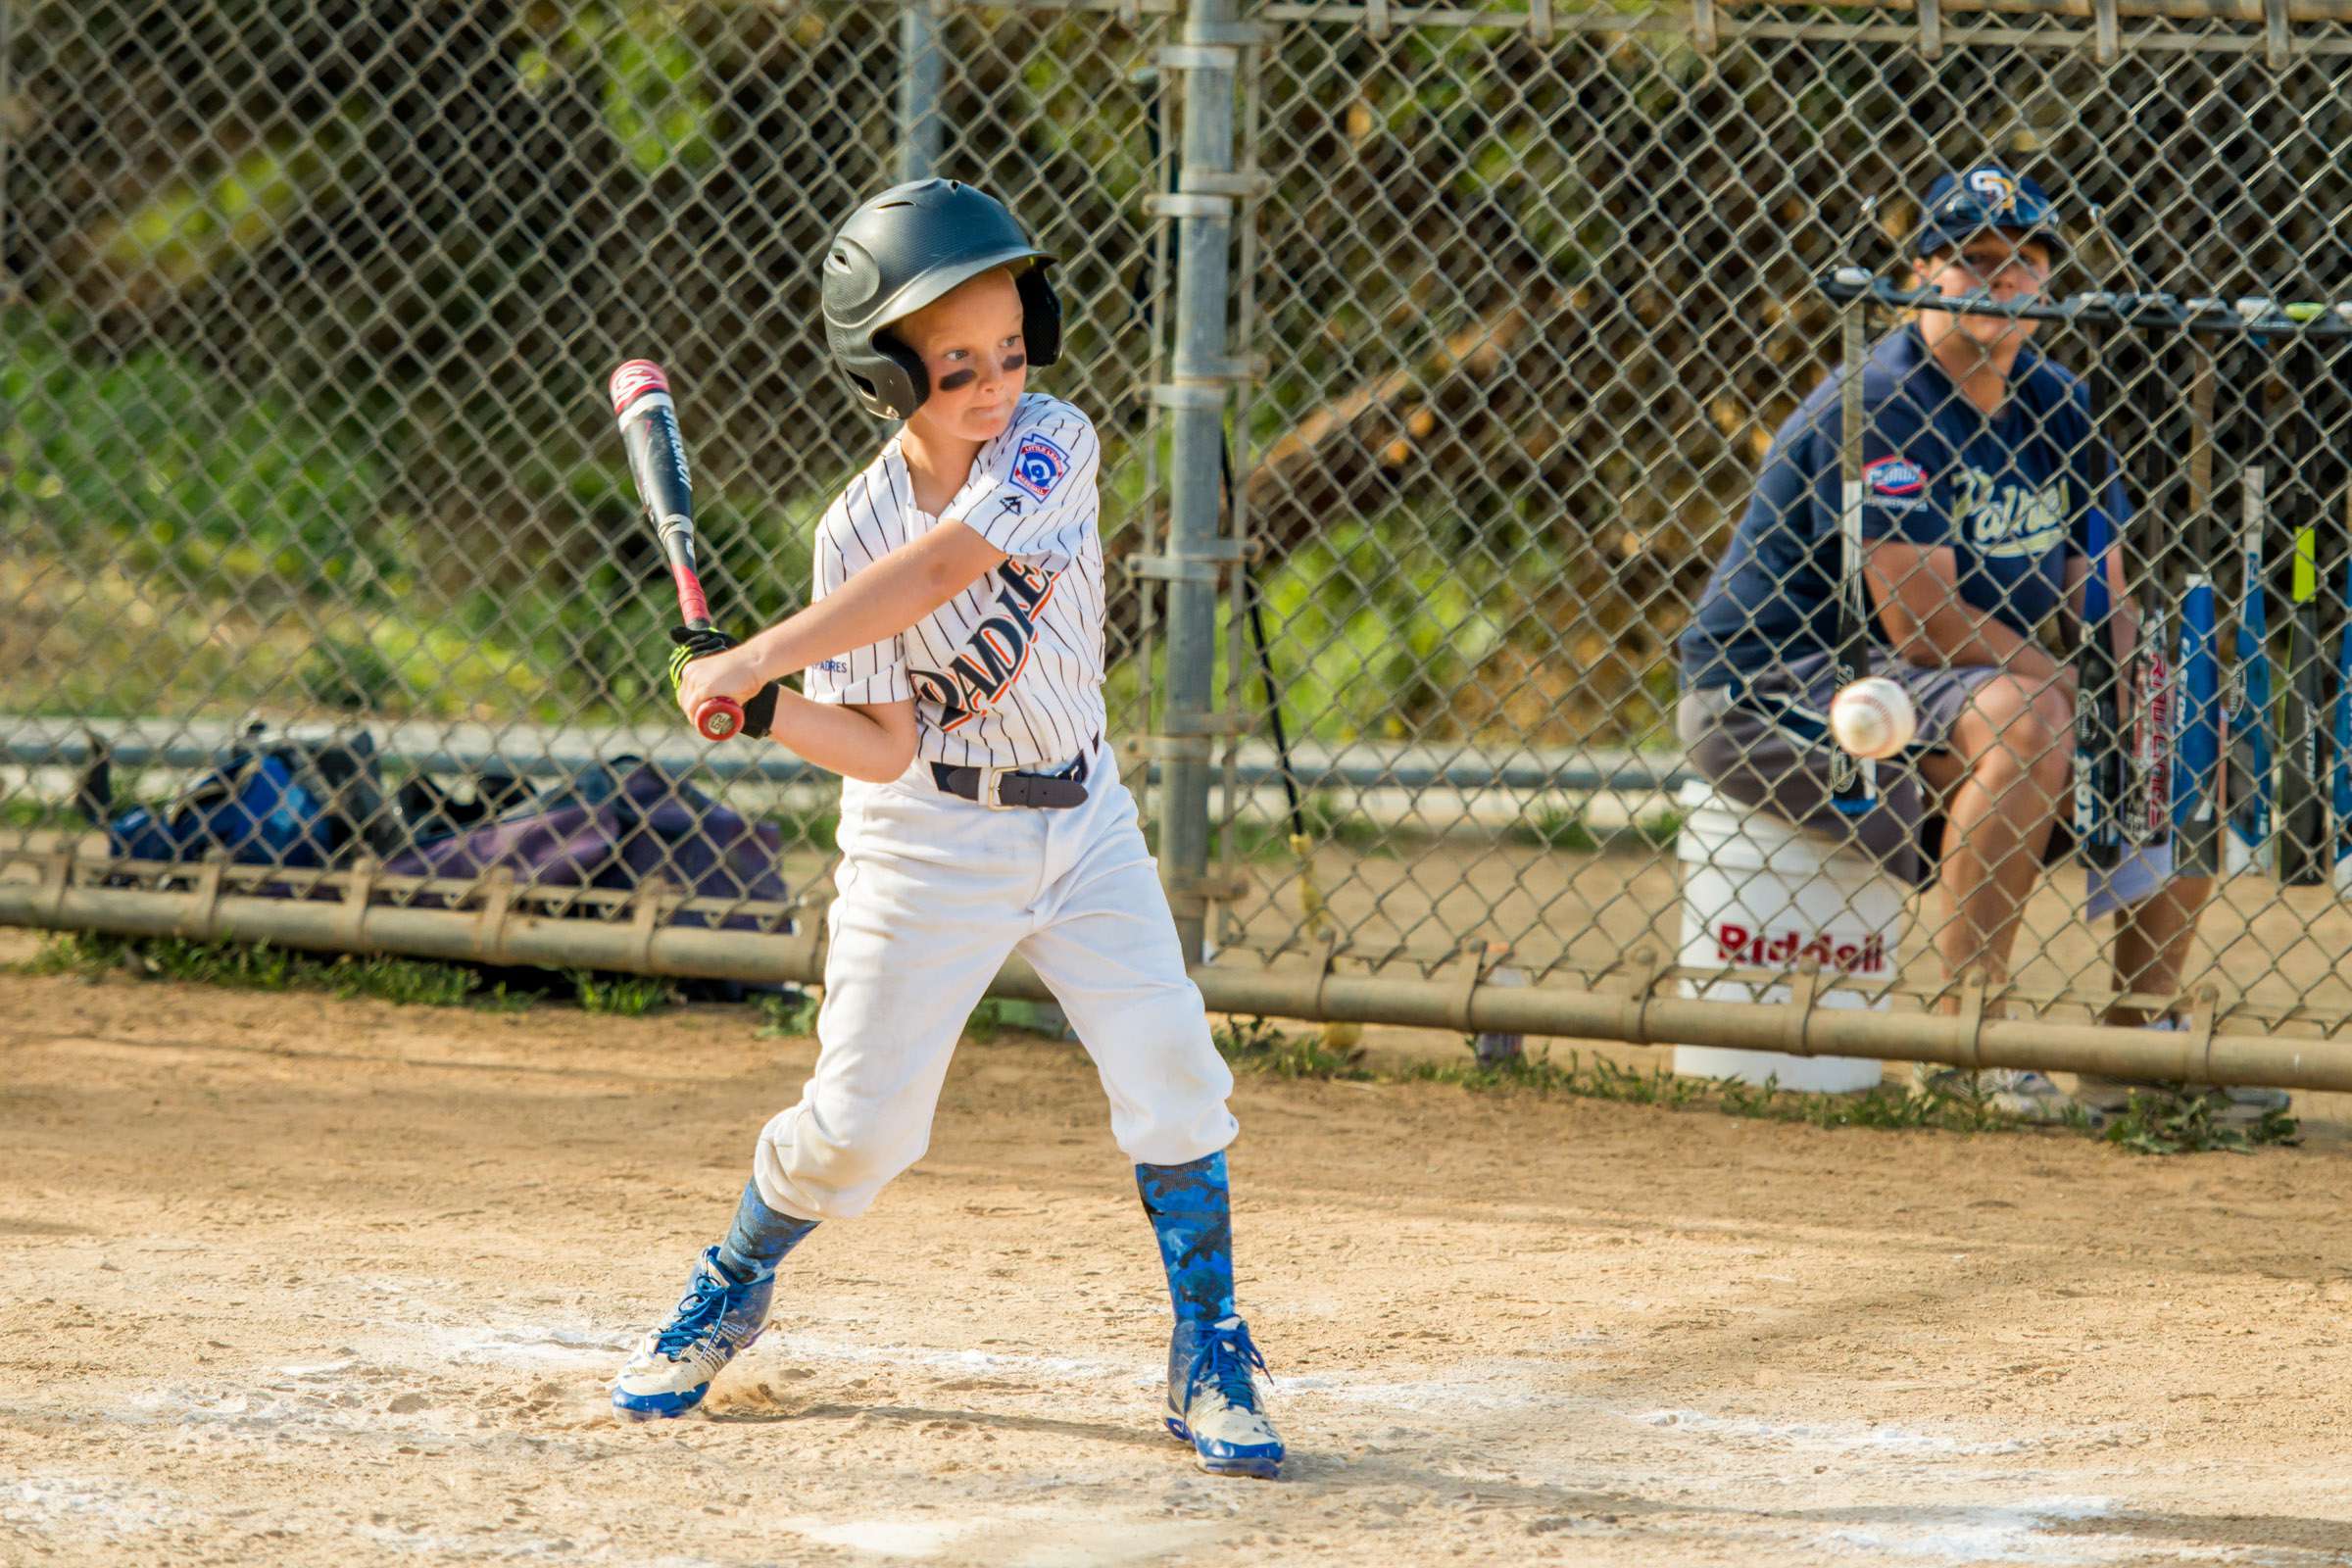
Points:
(1192, 1213)
(760, 1237)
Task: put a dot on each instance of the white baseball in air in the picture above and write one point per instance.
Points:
(1873, 717)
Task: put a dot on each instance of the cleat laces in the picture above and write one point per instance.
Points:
(1224, 1362)
(700, 1311)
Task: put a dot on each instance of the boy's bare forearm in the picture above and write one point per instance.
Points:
(841, 737)
(877, 603)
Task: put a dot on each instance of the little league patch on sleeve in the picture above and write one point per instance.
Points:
(1038, 466)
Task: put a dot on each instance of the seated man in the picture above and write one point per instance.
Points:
(1982, 480)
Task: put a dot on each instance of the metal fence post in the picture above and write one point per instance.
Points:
(8, 276)
(921, 82)
(1195, 396)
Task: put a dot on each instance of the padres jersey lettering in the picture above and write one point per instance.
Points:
(1010, 672)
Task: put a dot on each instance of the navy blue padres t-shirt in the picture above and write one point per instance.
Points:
(2011, 494)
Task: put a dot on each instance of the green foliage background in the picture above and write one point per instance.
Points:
(316, 299)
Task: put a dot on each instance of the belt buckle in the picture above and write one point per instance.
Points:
(987, 787)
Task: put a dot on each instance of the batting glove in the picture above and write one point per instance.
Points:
(690, 643)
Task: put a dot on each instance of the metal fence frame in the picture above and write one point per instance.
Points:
(1202, 372)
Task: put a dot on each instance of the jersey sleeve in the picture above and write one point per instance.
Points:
(1903, 497)
(876, 673)
(1034, 493)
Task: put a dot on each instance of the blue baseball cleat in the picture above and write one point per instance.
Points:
(1215, 1400)
(716, 1320)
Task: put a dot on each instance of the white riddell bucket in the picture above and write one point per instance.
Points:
(1759, 893)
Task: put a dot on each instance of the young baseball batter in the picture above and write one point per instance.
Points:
(952, 666)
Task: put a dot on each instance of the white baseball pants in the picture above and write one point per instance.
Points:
(934, 892)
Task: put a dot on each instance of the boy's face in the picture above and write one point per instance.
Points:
(970, 343)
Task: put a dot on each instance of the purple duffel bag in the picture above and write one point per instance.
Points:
(617, 829)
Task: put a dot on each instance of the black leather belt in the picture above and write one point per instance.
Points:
(1002, 788)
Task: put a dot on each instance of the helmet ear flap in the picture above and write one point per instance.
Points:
(1041, 313)
(900, 383)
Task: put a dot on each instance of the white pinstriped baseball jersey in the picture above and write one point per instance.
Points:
(1010, 672)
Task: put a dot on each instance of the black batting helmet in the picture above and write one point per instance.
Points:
(905, 249)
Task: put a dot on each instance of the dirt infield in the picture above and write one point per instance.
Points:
(294, 1280)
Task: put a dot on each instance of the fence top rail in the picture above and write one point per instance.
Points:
(1127, 10)
(1810, 18)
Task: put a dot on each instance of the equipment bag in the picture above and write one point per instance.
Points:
(269, 799)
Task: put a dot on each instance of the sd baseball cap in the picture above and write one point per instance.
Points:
(1983, 197)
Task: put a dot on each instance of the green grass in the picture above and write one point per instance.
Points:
(406, 982)
(1660, 832)
(162, 466)
(1327, 825)
(819, 828)
(1887, 1108)
(260, 967)
(623, 996)
(794, 1018)
(26, 811)
(1554, 828)
(1258, 1046)
(2162, 1124)
(791, 1017)
(1561, 828)
(193, 509)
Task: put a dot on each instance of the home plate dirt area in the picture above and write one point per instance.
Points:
(299, 1279)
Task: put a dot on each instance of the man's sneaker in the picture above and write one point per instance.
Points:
(2248, 1104)
(1215, 1401)
(716, 1320)
(2106, 1097)
(2012, 1091)
(2226, 1106)
(2233, 1105)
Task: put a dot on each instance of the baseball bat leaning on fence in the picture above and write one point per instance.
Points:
(2139, 776)
(2152, 683)
(2250, 715)
(2330, 389)
(2303, 860)
(2339, 778)
(2197, 748)
(2098, 750)
(2157, 544)
(649, 431)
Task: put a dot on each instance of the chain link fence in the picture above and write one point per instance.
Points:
(308, 308)
(1536, 292)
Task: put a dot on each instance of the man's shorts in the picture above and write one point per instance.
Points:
(1774, 754)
